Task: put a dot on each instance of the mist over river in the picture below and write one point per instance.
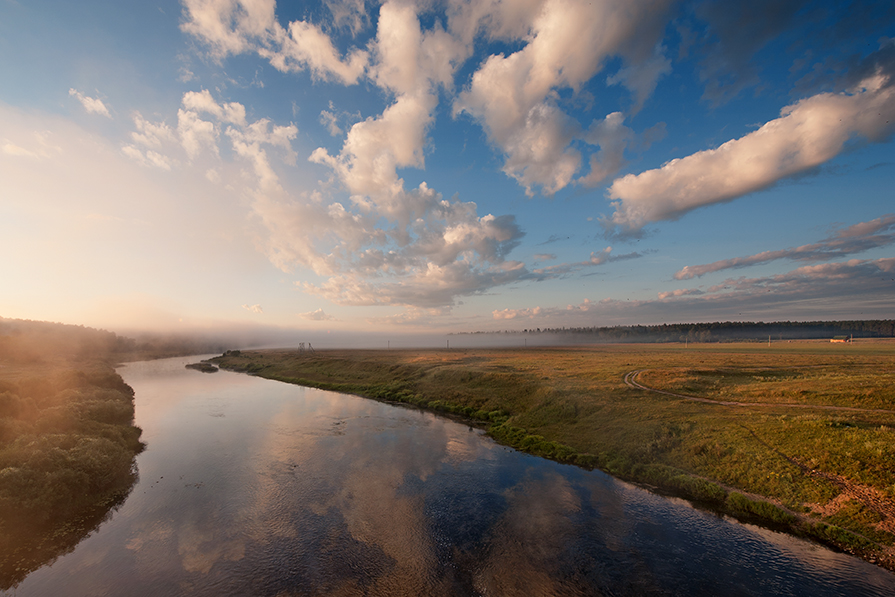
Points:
(255, 487)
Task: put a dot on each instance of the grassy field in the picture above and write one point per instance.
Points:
(779, 456)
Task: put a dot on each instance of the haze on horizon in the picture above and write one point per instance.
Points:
(404, 167)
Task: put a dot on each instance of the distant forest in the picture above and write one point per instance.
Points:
(24, 341)
(720, 331)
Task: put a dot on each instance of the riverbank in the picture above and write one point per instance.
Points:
(67, 442)
(779, 459)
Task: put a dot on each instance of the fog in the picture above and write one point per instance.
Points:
(228, 337)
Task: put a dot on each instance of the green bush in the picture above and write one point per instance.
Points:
(698, 489)
(838, 536)
(68, 445)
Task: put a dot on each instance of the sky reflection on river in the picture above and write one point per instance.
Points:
(253, 487)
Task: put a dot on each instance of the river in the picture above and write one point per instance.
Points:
(255, 487)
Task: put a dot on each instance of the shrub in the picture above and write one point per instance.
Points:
(740, 504)
(698, 489)
(838, 536)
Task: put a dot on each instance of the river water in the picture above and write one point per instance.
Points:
(254, 487)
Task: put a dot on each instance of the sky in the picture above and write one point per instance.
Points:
(445, 166)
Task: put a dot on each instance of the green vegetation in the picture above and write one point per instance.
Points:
(784, 458)
(203, 367)
(25, 341)
(67, 440)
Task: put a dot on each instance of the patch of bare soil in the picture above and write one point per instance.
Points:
(831, 507)
(870, 497)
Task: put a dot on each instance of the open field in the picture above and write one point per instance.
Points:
(779, 455)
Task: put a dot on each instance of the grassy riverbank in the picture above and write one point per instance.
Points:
(781, 457)
(67, 441)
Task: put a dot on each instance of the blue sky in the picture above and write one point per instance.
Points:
(446, 166)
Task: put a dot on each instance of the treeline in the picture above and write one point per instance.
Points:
(67, 439)
(726, 331)
(27, 341)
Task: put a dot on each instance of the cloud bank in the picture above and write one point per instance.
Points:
(803, 293)
(393, 245)
(854, 239)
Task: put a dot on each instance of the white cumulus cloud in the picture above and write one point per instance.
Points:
(807, 134)
(317, 315)
(239, 26)
(201, 101)
(91, 104)
(515, 96)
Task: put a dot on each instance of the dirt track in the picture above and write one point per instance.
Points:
(871, 497)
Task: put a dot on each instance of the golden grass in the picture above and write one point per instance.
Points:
(825, 473)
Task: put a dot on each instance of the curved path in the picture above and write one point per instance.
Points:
(631, 380)
(870, 497)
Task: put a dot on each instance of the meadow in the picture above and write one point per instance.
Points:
(798, 436)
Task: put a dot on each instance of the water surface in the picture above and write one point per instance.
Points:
(254, 487)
